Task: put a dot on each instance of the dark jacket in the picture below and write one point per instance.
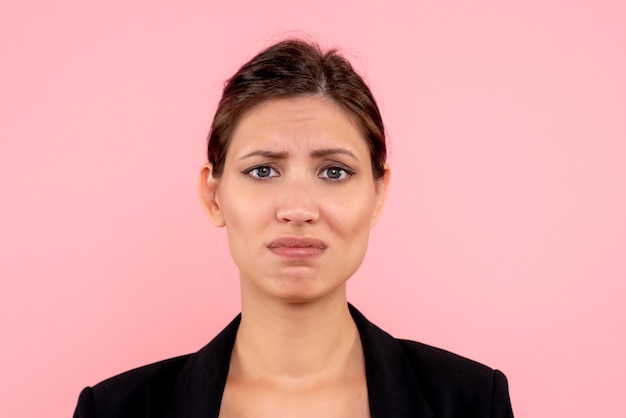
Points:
(404, 379)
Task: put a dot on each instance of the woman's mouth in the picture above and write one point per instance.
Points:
(297, 249)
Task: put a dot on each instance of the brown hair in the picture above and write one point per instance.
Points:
(293, 68)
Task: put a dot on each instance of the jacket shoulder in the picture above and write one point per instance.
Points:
(428, 359)
(184, 386)
(136, 393)
(450, 381)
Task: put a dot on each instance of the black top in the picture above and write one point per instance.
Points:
(404, 379)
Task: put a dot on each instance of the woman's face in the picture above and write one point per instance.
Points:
(297, 197)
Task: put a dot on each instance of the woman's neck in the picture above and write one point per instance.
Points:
(297, 342)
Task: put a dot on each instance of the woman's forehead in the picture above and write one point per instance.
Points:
(309, 122)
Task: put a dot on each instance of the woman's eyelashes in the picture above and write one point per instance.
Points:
(336, 173)
(331, 173)
(261, 172)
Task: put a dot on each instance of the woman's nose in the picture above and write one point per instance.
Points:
(297, 203)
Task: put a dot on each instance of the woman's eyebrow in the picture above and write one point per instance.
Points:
(320, 153)
(265, 153)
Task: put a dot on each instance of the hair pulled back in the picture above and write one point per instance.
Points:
(293, 68)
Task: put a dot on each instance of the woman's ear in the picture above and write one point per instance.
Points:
(382, 185)
(209, 196)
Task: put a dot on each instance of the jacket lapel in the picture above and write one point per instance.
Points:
(392, 386)
(200, 385)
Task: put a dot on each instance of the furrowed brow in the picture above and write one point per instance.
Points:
(326, 152)
(266, 154)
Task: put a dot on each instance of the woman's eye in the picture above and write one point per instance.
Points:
(335, 173)
(261, 172)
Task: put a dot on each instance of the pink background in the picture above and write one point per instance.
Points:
(504, 235)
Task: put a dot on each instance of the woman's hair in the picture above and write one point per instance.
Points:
(294, 68)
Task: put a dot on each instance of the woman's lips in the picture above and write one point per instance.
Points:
(297, 249)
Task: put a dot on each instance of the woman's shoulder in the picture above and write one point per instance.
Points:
(129, 394)
(162, 372)
(192, 380)
(439, 364)
(444, 376)
(427, 380)
(428, 359)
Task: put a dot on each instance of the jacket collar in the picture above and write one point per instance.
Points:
(200, 384)
(391, 382)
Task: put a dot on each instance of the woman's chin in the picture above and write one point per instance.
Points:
(298, 287)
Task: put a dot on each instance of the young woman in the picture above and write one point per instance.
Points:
(296, 173)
